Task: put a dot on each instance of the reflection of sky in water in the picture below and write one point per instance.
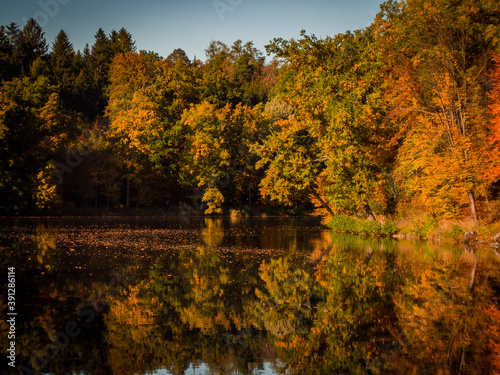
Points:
(202, 369)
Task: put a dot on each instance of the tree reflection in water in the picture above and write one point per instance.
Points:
(331, 304)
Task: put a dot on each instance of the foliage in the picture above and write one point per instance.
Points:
(47, 196)
(335, 147)
(400, 116)
(424, 228)
(214, 199)
(343, 223)
(438, 91)
(219, 141)
(492, 171)
(34, 128)
(456, 232)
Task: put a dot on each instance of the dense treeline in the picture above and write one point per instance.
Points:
(401, 116)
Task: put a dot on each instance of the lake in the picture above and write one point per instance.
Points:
(242, 296)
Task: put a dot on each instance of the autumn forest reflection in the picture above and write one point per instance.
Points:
(247, 296)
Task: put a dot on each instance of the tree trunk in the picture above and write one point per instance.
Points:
(127, 204)
(369, 213)
(368, 256)
(325, 206)
(472, 277)
(472, 205)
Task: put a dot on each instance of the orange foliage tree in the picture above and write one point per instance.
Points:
(439, 52)
(492, 172)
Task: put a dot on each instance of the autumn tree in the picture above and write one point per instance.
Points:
(148, 96)
(335, 145)
(218, 153)
(132, 113)
(35, 129)
(174, 90)
(439, 52)
(492, 166)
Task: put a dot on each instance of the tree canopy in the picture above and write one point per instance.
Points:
(395, 118)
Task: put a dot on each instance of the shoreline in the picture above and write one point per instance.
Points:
(467, 238)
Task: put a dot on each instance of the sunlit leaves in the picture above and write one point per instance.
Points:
(34, 128)
(492, 172)
(213, 198)
(439, 52)
(335, 144)
(219, 141)
(47, 196)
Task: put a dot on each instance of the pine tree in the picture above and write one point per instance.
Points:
(121, 42)
(5, 55)
(97, 68)
(64, 71)
(9, 52)
(31, 44)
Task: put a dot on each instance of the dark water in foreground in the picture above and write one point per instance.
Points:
(247, 296)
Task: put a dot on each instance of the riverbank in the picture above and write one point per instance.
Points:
(424, 229)
(409, 228)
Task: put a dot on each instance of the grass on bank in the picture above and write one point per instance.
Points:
(343, 223)
(416, 227)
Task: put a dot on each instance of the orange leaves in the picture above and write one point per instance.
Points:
(128, 73)
(437, 86)
(493, 313)
(218, 146)
(492, 172)
(134, 124)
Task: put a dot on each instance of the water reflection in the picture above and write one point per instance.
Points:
(213, 232)
(253, 297)
(46, 245)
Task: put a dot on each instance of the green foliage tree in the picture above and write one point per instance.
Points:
(218, 147)
(64, 69)
(336, 146)
(31, 44)
(233, 75)
(35, 129)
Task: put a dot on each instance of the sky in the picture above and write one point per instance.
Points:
(164, 25)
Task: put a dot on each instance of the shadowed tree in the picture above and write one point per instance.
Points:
(63, 67)
(121, 41)
(31, 44)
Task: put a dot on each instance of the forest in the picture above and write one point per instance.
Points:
(398, 121)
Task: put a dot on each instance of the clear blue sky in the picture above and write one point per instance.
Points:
(164, 25)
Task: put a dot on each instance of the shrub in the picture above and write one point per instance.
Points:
(422, 229)
(389, 228)
(343, 223)
(246, 211)
(455, 233)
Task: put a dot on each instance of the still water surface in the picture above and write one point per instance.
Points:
(244, 296)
